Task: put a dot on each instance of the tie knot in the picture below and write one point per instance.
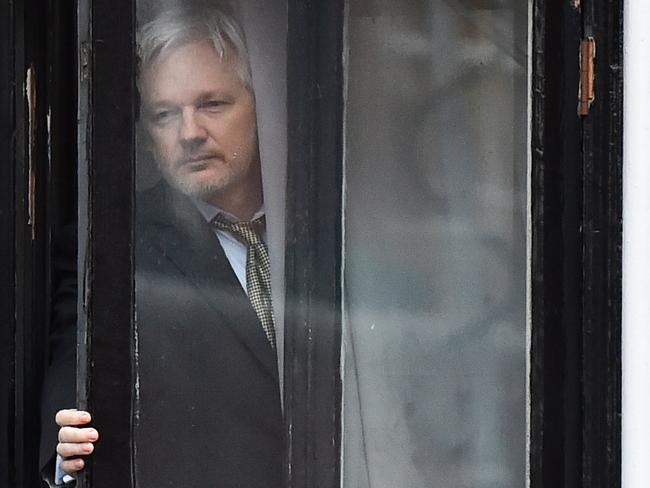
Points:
(247, 231)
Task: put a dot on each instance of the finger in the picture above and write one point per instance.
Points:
(71, 466)
(72, 417)
(71, 449)
(76, 434)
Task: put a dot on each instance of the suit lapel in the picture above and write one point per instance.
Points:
(186, 239)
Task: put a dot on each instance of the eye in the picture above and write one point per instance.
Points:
(212, 105)
(163, 116)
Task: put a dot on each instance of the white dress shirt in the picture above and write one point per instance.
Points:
(235, 249)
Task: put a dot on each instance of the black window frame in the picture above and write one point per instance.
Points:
(107, 107)
(576, 195)
(313, 388)
(576, 280)
(35, 142)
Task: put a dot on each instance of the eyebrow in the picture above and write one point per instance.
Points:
(213, 94)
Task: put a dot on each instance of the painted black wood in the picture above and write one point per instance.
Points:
(105, 384)
(7, 323)
(556, 248)
(313, 260)
(62, 103)
(30, 232)
(602, 164)
(29, 157)
(576, 260)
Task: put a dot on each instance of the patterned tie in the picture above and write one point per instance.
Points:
(258, 269)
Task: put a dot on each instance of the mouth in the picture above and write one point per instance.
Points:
(199, 162)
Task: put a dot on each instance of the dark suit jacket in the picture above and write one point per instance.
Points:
(208, 408)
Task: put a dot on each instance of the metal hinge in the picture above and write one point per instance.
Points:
(84, 61)
(587, 75)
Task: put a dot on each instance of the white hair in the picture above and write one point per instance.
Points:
(179, 26)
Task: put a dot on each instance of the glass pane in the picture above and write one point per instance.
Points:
(209, 244)
(435, 244)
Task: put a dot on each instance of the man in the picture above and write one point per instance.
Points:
(207, 411)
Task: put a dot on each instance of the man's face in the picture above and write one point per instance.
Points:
(202, 123)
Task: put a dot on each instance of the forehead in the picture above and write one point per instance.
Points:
(189, 70)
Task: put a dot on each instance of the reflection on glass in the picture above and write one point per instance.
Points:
(435, 342)
(207, 410)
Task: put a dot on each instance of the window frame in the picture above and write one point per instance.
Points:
(7, 286)
(106, 148)
(576, 231)
(575, 376)
(313, 320)
(27, 81)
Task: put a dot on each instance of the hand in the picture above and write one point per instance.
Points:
(74, 441)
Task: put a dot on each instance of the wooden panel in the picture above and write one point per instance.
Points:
(106, 175)
(313, 260)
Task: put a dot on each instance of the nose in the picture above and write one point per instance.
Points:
(191, 130)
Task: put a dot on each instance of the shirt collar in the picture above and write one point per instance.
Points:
(209, 211)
